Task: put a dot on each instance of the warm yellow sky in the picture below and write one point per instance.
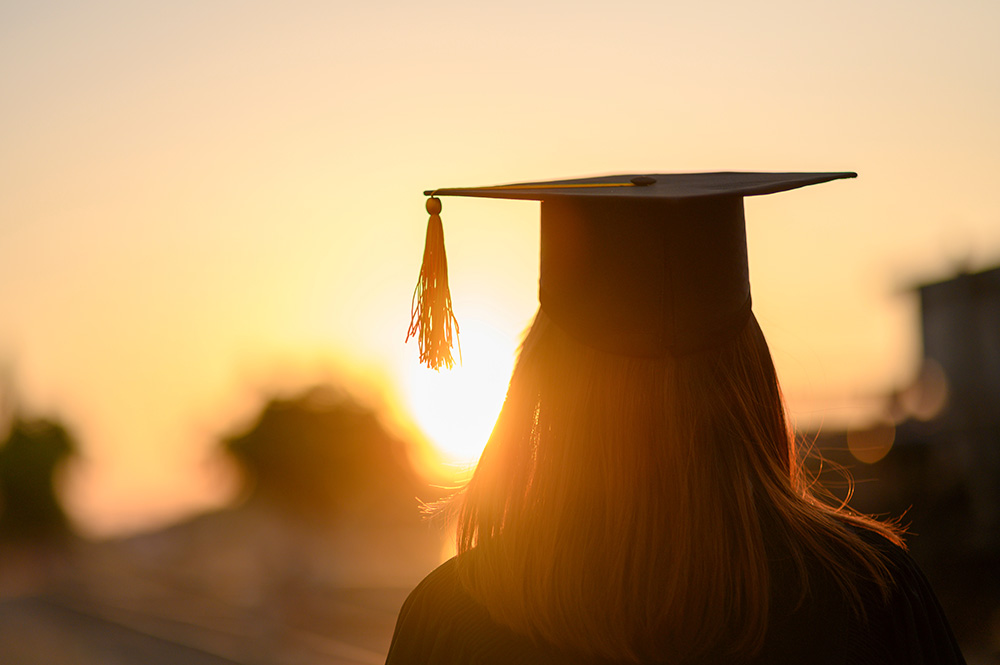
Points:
(200, 199)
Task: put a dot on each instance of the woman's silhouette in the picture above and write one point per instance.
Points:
(641, 498)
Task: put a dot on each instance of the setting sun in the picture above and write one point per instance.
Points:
(456, 409)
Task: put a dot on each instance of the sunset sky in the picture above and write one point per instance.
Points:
(203, 200)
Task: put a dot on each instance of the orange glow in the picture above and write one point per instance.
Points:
(456, 409)
(174, 216)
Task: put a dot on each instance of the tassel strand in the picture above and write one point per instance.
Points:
(431, 317)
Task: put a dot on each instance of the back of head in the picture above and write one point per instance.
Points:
(628, 507)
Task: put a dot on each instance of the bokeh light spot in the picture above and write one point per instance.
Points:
(871, 444)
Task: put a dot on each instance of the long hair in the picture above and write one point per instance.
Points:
(627, 508)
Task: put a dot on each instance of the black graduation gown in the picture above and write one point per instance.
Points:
(440, 624)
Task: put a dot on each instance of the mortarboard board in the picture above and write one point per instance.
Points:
(636, 265)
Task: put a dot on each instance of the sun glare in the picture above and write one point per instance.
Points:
(456, 409)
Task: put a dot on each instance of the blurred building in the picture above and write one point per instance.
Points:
(935, 456)
(961, 332)
(960, 320)
(932, 462)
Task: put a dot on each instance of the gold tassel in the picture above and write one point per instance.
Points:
(431, 316)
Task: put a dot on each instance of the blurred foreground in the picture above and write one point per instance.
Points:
(312, 567)
(241, 586)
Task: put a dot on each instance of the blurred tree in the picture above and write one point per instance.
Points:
(29, 459)
(322, 455)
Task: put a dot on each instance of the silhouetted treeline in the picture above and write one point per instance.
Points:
(322, 455)
(30, 456)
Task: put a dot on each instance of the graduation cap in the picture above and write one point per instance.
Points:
(635, 265)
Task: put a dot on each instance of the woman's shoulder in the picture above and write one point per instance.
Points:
(906, 622)
(901, 622)
(441, 623)
(442, 583)
(437, 599)
(912, 614)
